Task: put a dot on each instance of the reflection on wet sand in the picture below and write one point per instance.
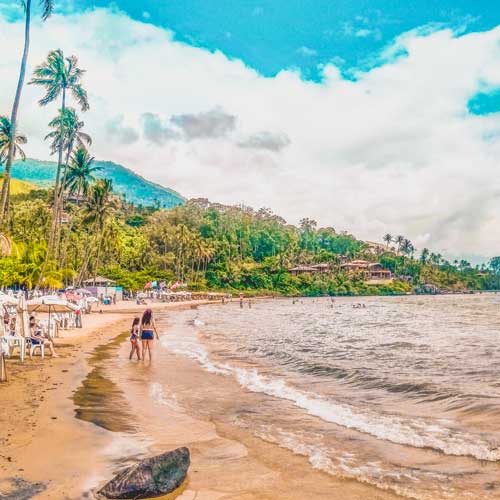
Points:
(98, 400)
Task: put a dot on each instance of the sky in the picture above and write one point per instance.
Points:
(368, 116)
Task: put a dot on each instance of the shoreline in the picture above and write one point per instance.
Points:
(38, 456)
(38, 414)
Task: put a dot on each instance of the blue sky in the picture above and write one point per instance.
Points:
(271, 35)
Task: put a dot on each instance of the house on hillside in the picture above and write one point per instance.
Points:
(63, 218)
(322, 268)
(75, 198)
(370, 271)
(376, 248)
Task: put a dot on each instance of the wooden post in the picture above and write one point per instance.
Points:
(3, 368)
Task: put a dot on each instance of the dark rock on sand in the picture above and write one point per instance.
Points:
(151, 477)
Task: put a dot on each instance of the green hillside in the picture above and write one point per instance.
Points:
(132, 186)
(19, 187)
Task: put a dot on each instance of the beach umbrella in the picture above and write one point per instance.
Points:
(50, 304)
(8, 300)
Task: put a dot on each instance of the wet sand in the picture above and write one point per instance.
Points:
(48, 453)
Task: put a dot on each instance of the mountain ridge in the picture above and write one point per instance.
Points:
(134, 187)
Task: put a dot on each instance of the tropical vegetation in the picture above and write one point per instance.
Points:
(80, 227)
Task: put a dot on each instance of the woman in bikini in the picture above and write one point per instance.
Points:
(134, 338)
(148, 331)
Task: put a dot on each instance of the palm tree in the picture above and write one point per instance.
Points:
(6, 141)
(182, 238)
(99, 206)
(424, 256)
(388, 239)
(399, 242)
(7, 144)
(78, 177)
(68, 134)
(47, 7)
(59, 75)
(406, 247)
(80, 172)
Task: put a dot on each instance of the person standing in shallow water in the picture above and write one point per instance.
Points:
(147, 332)
(134, 338)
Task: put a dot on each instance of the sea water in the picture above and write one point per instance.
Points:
(403, 393)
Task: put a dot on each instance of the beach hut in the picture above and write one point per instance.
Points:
(101, 286)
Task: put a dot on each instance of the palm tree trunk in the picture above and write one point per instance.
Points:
(4, 207)
(87, 255)
(57, 240)
(55, 208)
(65, 242)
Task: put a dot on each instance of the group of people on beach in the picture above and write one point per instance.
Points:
(36, 334)
(143, 330)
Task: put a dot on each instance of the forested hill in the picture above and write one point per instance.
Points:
(135, 188)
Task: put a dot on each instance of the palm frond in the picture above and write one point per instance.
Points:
(81, 96)
(47, 8)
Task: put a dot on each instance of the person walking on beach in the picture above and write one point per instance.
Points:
(134, 338)
(147, 332)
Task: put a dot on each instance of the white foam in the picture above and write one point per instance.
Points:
(187, 346)
(157, 393)
(347, 465)
(410, 432)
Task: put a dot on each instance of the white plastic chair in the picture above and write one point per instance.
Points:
(4, 346)
(33, 346)
(17, 341)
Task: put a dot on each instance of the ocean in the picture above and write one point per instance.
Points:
(399, 392)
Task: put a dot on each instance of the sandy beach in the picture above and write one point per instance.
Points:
(47, 453)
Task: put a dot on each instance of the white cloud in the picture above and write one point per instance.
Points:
(394, 151)
(266, 140)
(351, 30)
(306, 51)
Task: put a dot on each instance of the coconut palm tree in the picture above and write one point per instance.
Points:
(388, 239)
(424, 256)
(68, 134)
(6, 141)
(99, 206)
(78, 177)
(80, 172)
(406, 246)
(47, 7)
(399, 242)
(182, 238)
(60, 75)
